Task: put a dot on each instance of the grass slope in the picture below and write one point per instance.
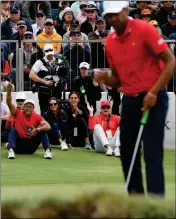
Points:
(68, 174)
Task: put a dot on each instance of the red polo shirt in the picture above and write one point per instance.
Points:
(134, 56)
(22, 122)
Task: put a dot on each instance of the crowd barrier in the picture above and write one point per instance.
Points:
(170, 121)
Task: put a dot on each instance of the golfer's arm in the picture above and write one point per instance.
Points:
(44, 126)
(113, 80)
(169, 60)
(35, 77)
(11, 106)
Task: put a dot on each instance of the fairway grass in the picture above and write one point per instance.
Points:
(69, 174)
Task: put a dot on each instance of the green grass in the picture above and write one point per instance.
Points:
(69, 174)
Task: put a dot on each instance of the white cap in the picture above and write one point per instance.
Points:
(29, 101)
(114, 6)
(21, 96)
(84, 65)
(48, 47)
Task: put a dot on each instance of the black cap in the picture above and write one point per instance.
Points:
(172, 15)
(103, 33)
(74, 32)
(14, 8)
(74, 22)
(21, 23)
(100, 19)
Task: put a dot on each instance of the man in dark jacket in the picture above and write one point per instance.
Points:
(86, 86)
(31, 7)
(170, 26)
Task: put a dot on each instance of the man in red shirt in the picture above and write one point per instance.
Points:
(29, 131)
(142, 64)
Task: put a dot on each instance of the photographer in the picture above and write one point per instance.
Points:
(45, 73)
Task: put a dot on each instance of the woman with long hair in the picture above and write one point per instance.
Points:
(77, 122)
(57, 119)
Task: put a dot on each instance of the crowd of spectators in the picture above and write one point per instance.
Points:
(71, 23)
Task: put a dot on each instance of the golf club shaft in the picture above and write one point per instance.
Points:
(134, 157)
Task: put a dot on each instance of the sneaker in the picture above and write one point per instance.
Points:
(109, 151)
(11, 154)
(48, 154)
(116, 152)
(88, 146)
(64, 146)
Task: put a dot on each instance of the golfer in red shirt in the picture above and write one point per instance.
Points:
(142, 64)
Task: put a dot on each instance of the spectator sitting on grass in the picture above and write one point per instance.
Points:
(77, 122)
(105, 127)
(30, 129)
(57, 119)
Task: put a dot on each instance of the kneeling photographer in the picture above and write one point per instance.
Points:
(49, 76)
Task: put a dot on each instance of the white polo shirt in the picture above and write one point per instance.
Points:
(4, 109)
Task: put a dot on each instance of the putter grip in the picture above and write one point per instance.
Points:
(145, 117)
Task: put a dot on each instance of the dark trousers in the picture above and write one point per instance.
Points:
(43, 102)
(152, 138)
(5, 135)
(58, 130)
(83, 133)
(27, 146)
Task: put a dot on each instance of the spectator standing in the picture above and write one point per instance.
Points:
(5, 13)
(89, 25)
(38, 27)
(87, 87)
(66, 16)
(49, 34)
(170, 27)
(31, 7)
(76, 53)
(82, 16)
(162, 15)
(26, 137)
(105, 127)
(57, 119)
(141, 92)
(77, 122)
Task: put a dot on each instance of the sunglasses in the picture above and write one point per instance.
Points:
(83, 6)
(39, 15)
(53, 104)
(90, 12)
(20, 100)
(48, 24)
(28, 37)
(49, 50)
(4, 2)
(14, 12)
(105, 107)
(147, 15)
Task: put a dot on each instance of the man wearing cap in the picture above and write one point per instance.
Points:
(146, 15)
(45, 73)
(49, 34)
(9, 26)
(76, 53)
(87, 87)
(29, 131)
(170, 26)
(89, 25)
(100, 25)
(144, 87)
(74, 25)
(105, 127)
(38, 27)
(31, 54)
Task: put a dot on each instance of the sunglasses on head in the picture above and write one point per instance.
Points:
(105, 107)
(53, 104)
(83, 6)
(39, 15)
(20, 100)
(90, 12)
(14, 12)
(49, 50)
(28, 37)
(48, 24)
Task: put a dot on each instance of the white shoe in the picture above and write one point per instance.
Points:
(64, 146)
(116, 152)
(109, 151)
(48, 154)
(11, 154)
